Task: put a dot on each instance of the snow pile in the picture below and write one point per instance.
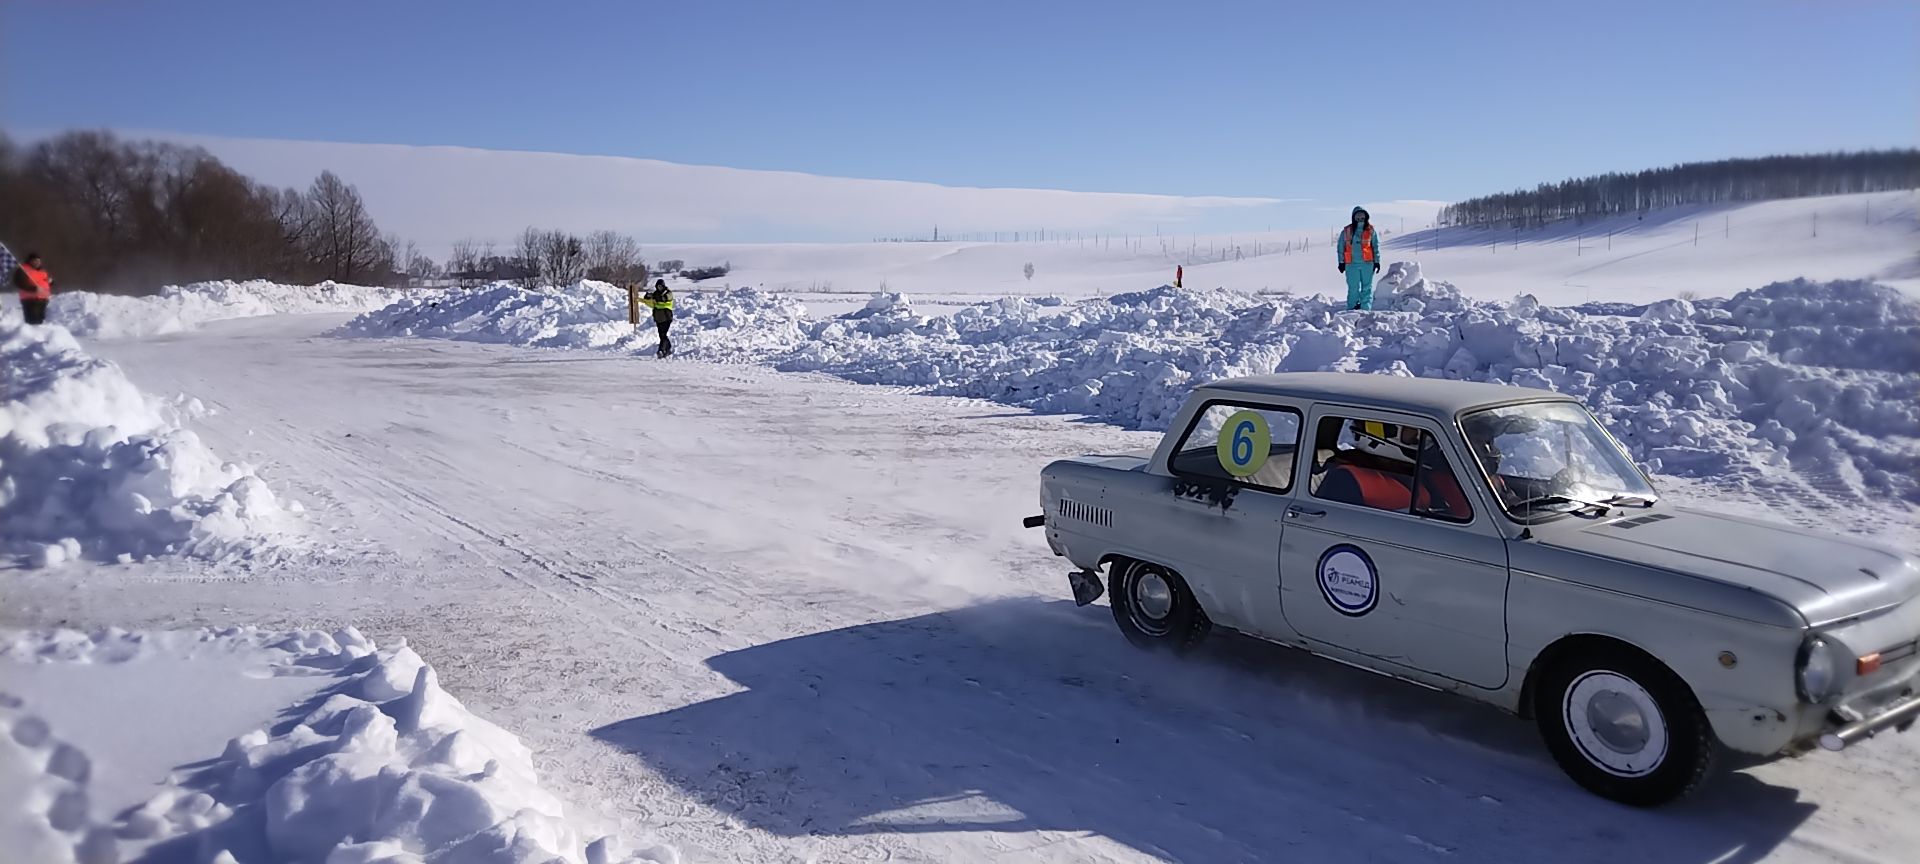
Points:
(90, 466)
(1818, 379)
(377, 764)
(591, 314)
(178, 308)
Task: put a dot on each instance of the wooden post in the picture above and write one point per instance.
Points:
(633, 305)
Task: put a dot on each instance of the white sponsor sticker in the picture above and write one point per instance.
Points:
(1348, 580)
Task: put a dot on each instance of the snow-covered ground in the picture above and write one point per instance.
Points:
(1699, 251)
(781, 608)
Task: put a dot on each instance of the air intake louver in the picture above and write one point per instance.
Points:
(1098, 516)
(1638, 521)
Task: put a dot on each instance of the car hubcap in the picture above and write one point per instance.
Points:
(1152, 601)
(1616, 724)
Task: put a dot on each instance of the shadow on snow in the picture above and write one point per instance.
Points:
(1023, 715)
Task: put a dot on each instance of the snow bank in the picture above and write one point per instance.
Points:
(741, 323)
(179, 308)
(1820, 381)
(379, 764)
(90, 466)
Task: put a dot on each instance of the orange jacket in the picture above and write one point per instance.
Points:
(1369, 250)
(33, 282)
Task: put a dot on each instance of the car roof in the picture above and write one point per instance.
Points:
(1437, 397)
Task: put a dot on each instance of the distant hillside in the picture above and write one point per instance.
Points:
(1727, 180)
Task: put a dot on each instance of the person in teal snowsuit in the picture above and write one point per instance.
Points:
(1359, 255)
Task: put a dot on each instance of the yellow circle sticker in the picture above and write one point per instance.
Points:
(1243, 443)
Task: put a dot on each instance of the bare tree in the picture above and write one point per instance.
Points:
(563, 259)
(345, 244)
(526, 254)
(419, 266)
(614, 257)
(465, 256)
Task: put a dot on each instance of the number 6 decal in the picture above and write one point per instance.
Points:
(1243, 449)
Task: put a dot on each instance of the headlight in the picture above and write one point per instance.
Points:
(1817, 670)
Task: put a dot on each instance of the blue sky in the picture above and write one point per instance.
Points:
(1334, 101)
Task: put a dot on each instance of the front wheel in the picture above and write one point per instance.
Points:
(1154, 607)
(1625, 727)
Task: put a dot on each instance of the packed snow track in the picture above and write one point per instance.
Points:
(764, 617)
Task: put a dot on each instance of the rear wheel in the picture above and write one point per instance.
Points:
(1624, 726)
(1154, 607)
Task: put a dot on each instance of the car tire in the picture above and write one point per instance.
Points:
(1154, 607)
(1624, 726)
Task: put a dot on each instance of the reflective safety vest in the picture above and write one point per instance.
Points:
(42, 283)
(1346, 244)
(662, 299)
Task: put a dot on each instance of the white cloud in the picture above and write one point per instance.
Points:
(436, 195)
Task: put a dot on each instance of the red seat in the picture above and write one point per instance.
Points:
(1441, 494)
(1368, 487)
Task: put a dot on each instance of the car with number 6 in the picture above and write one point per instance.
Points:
(1496, 542)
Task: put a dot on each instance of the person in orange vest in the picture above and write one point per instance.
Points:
(1359, 254)
(30, 278)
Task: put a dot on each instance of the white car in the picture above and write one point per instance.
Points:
(1498, 543)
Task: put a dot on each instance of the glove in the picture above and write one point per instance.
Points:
(1343, 268)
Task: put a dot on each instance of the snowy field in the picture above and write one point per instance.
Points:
(771, 601)
(1708, 251)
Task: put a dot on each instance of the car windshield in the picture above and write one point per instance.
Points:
(1552, 457)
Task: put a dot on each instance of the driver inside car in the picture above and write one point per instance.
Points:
(1384, 469)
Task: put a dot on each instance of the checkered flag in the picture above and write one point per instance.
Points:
(7, 261)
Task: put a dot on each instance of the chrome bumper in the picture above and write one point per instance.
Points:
(1900, 714)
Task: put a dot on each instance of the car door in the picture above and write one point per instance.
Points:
(1389, 553)
(1233, 476)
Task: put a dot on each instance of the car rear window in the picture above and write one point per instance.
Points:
(1244, 444)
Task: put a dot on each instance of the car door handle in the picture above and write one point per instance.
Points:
(1298, 512)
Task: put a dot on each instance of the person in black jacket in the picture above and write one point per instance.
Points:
(660, 300)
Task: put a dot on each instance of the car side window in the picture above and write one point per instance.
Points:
(1244, 444)
(1386, 466)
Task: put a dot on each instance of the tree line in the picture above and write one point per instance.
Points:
(129, 216)
(549, 257)
(1726, 180)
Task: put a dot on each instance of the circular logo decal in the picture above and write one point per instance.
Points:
(1243, 444)
(1349, 581)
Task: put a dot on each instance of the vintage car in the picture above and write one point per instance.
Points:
(1495, 542)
